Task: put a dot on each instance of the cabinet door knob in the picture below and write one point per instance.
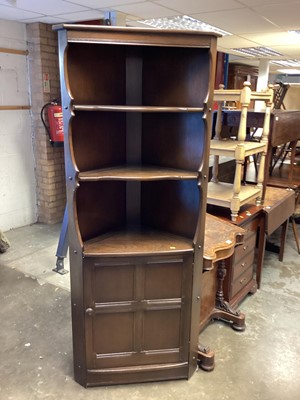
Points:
(89, 312)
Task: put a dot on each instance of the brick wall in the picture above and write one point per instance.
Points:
(49, 160)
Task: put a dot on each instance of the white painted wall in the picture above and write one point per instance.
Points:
(17, 178)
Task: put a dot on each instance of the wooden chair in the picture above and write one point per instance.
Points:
(235, 195)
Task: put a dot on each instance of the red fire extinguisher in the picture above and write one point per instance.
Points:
(55, 120)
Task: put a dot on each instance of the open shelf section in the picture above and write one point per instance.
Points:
(220, 194)
(165, 140)
(121, 75)
(121, 108)
(136, 242)
(136, 173)
(162, 205)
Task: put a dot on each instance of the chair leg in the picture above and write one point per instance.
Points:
(294, 225)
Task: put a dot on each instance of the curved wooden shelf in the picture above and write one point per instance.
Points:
(136, 173)
(136, 242)
(143, 109)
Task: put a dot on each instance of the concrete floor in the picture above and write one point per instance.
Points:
(35, 335)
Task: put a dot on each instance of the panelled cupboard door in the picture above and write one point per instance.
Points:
(137, 312)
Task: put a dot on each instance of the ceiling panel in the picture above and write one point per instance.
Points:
(238, 21)
(196, 6)
(282, 14)
(51, 7)
(281, 38)
(230, 42)
(82, 16)
(251, 3)
(97, 4)
(146, 10)
(45, 20)
(16, 14)
(291, 51)
(69, 17)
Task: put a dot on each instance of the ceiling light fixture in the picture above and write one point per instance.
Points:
(258, 52)
(287, 63)
(182, 22)
(296, 32)
(289, 71)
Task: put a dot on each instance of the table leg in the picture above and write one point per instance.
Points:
(223, 310)
(260, 250)
(284, 227)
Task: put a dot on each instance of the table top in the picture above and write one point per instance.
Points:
(284, 123)
(221, 236)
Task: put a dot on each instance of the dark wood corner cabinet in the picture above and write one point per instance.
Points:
(137, 109)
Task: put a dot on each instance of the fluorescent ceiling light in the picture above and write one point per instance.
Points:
(182, 22)
(257, 52)
(296, 32)
(289, 71)
(287, 63)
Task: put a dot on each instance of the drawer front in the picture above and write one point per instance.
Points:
(248, 246)
(243, 264)
(250, 226)
(242, 281)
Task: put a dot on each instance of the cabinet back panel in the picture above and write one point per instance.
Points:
(175, 76)
(96, 74)
(174, 140)
(171, 206)
(97, 140)
(101, 207)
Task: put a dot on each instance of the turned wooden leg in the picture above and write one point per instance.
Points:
(223, 309)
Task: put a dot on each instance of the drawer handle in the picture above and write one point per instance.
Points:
(243, 264)
(242, 281)
(245, 247)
